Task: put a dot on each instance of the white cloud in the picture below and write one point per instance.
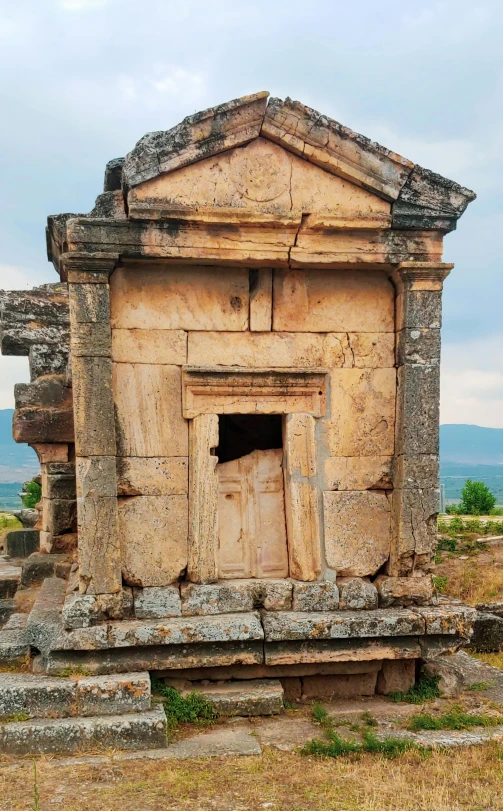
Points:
(82, 5)
(472, 382)
(177, 81)
(12, 370)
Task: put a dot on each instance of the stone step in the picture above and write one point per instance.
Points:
(46, 697)
(257, 697)
(10, 578)
(20, 543)
(14, 641)
(146, 730)
(38, 566)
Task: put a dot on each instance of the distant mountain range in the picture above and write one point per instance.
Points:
(471, 444)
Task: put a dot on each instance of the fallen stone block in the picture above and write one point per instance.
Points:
(145, 730)
(10, 578)
(487, 632)
(396, 675)
(341, 625)
(37, 567)
(22, 542)
(315, 597)
(248, 698)
(113, 694)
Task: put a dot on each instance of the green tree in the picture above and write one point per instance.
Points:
(476, 499)
(32, 493)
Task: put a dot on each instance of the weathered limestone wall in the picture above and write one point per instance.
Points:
(165, 317)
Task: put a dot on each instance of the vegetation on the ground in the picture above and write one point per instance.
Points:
(7, 521)
(335, 746)
(494, 659)
(425, 689)
(193, 708)
(32, 493)
(454, 718)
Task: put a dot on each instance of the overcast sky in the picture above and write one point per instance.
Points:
(83, 80)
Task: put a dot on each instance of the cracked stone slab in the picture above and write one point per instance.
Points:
(175, 631)
(280, 626)
(447, 619)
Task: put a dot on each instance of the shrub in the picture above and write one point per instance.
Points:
(476, 499)
(32, 493)
(425, 689)
(191, 709)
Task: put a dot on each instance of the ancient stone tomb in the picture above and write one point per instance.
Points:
(255, 312)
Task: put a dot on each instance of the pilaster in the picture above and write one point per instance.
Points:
(95, 443)
(416, 495)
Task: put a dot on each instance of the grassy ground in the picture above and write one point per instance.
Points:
(447, 781)
(466, 569)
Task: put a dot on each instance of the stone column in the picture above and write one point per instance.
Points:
(93, 405)
(203, 499)
(301, 496)
(415, 496)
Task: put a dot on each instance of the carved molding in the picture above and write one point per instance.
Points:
(236, 390)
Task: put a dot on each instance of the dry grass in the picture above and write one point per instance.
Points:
(468, 780)
(494, 659)
(476, 580)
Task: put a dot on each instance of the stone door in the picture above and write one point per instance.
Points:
(251, 517)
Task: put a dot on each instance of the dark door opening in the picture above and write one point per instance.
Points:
(240, 434)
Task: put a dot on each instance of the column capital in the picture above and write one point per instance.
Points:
(421, 275)
(87, 268)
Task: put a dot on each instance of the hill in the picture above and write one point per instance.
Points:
(471, 444)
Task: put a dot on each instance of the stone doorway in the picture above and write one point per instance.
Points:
(252, 537)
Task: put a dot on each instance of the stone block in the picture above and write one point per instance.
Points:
(91, 340)
(93, 406)
(315, 597)
(261, 300)
(356, 594)
(157, 657)
(96, 477)
(357, 531)
(7, 607)
(145, 730)
(358, 473)
(154, 476)
(44, 622)
(291, 625)
(404, 591)
(99, 546)
(36, 696)
(330, 687)
(418, 397)
(48, 391)
(413, 524)
(10, 578)
(60, 486)
(362, 423)
(165, 346)
(203, 499)
(419, 347)
(89, 304)
(339, 651)
(419, 309)
(397, 675)
(113, 695)
(487, 632)
(153, 533)
(59, 515)
(144, 428)
(246, 698)
(450, 678)
(455, 619)
(419, 472)
(332, 301)
(20, 543)
(292, 688)
(157, 601)
(229, 596)
(282, 672)
(84, 610)
(44, 425)
(39, 566)
(166, 298)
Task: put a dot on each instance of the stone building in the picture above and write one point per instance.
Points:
(250, 404)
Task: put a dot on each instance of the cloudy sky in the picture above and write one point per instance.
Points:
(82, 80)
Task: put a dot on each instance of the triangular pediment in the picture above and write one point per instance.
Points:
(260, 180)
